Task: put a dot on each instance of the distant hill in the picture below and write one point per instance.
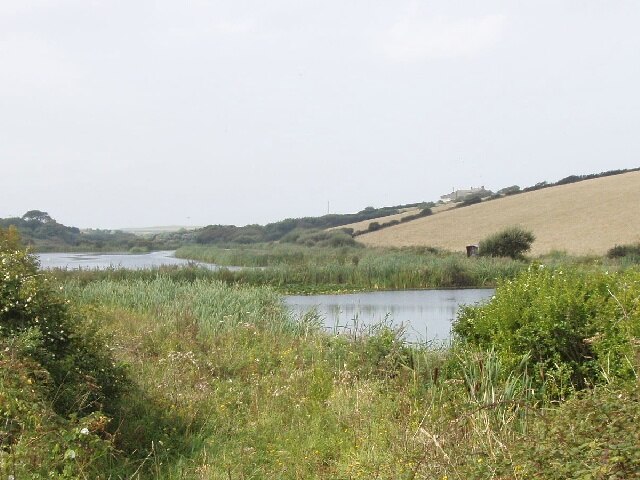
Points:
(41, 232)
(578, 214)
(587, 217)
(158, 229)
(290, 229)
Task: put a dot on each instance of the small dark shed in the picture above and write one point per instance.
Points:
(472, 250)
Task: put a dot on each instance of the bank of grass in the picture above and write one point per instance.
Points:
(225, 384)
(299, 269)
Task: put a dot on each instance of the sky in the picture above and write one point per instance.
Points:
(137, 113)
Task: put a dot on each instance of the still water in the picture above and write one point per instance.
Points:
(131, 261)
(425, 315)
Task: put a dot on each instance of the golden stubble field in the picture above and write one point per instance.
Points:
(582, 218)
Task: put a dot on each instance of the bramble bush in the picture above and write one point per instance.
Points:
(579, 328)
(56, 375)
(37, 318)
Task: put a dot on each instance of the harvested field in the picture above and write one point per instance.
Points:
(587, 217)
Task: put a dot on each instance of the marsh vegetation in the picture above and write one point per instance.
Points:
(299, 269)
(177, 374)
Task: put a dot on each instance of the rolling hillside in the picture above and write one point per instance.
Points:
(363, 225)
(587, 217)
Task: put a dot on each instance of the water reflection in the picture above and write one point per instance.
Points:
(426, 315)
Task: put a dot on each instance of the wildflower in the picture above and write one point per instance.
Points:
(70, 454)
(84, 431)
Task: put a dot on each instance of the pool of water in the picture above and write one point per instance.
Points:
(114, 260)
(424, 315)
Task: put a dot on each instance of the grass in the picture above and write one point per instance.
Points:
(297, 269)
(226, 385)
(294, 269)
(562, 218)
(258, 396)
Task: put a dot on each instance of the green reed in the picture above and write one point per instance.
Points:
(299, 269)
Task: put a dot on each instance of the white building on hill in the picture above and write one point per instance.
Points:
(461, 194)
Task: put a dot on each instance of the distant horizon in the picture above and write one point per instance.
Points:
(176, 227)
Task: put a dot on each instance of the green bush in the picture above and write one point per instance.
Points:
(470, 200)
(320, 238)
(37, 320)
(594, 435)
(620, 251)
(512, 242)
(373, 226)
(579, 328)
(513, 189)
(59, 384)
(425, 212)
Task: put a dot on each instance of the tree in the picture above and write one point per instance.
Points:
(37, 216)
(513, 189)
(470, 200)
(10, 239)
(512, 242)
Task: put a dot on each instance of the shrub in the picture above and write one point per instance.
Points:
(425, 212)
(513, 189)
(512, 242)
(57, 377)
(321, 238)
(390, 223)
(580, 328)
(470, 200)
(620, 251)
(36, 319)
(373, 226)
(594, 435)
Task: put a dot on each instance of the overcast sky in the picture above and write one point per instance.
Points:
(139, 113)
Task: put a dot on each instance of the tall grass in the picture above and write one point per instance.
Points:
(298, 269)
(213, 305)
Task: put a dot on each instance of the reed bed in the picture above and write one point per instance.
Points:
(297, 269)
(213, 305)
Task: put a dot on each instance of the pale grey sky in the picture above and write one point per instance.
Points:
(139, 112)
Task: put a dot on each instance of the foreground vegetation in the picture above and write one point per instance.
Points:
(169, 376)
